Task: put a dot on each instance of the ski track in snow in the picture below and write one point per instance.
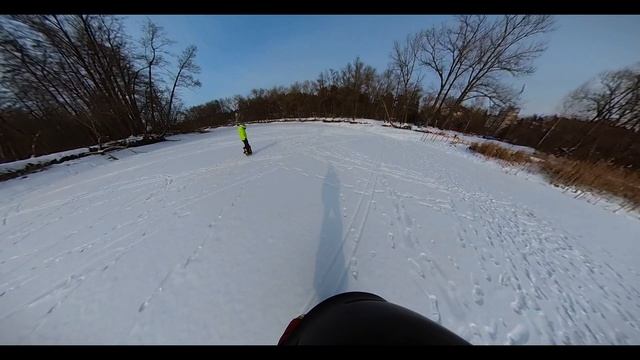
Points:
(422, 223)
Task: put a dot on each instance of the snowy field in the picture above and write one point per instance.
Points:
(190, 242)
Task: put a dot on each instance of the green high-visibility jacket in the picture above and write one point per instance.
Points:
(242, 132)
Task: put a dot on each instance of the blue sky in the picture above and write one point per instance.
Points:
(239, 53)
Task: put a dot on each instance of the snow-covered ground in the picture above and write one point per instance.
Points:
(38, 160)
(469, 138)
(189, 241)
(35, 160)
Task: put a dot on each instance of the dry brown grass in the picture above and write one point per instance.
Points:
(496, 151)
(600, 177)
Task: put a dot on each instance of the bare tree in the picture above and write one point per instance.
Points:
(356, 79)
(471, 57)
(184, 78)
(154, 44)
(385, 92)
(57, 65)
(59, 69)
(405, 63)
(614, 98)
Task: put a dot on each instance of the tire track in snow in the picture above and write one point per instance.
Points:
(182, 266)
(65, 288)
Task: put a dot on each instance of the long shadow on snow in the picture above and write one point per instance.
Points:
(330, 276)
(265, 147)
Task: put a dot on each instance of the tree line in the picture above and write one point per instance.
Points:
(69, 81)
(76, 80)
(456, 76)
(431, 75)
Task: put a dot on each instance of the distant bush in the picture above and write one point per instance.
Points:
(499, 152)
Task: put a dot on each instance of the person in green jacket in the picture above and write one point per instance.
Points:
(242, 132)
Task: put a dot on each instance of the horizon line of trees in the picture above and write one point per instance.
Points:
(78, 80)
